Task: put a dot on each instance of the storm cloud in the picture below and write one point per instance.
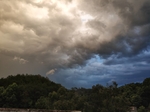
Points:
(37, 36)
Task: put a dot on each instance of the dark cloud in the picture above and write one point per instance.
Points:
(49, 35)
(140, 58)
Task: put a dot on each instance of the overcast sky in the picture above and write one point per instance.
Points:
(76, 42)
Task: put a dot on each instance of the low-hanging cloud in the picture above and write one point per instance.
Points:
(21, 60)
(51, 72)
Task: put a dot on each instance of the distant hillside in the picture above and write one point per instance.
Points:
(28, 80)
(24, 90)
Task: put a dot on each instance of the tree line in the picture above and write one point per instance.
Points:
(35, 91)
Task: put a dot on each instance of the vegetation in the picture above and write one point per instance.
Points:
(35, 91)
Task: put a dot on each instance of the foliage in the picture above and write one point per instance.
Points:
(35, 91)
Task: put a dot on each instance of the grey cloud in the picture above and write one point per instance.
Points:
(56, 29)
(142, 17)
(140, 58)
(61, 34)
(126, 41)
(123, 71)
(21, 60)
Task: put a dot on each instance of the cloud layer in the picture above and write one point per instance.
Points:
(44, 35)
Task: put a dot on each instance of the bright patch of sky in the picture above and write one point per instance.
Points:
(95, 59)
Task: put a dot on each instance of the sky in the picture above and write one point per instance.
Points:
(77, 43)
